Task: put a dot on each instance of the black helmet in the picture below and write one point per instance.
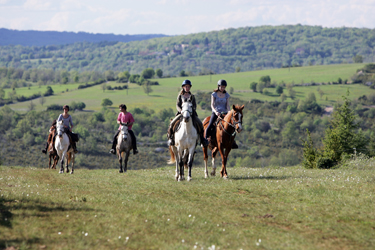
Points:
(186, 82)
(222, 82)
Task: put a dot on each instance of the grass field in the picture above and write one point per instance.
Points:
(164, 95)
(266, 208)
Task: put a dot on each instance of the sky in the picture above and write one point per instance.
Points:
(180, 17)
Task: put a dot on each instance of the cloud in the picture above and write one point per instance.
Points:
(37, 5)
(59, 22)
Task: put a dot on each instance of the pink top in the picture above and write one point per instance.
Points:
(128, 117)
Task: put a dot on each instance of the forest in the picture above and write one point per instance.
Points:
(224, 51)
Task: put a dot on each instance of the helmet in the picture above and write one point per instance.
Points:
(186, 82)
(222, 82)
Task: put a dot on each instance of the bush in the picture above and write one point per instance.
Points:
(54, 107)
(325, 163)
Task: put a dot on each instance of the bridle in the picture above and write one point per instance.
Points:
(232, 123)
(188, 109)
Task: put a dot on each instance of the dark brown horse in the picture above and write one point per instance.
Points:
(52, 154)
(226, 129)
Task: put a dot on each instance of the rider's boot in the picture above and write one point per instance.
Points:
(234, 145)
(44, 151)
(204, 141)
(75, 148)
(171, 141)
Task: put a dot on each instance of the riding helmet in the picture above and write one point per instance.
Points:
(186, 82)
(222, 82)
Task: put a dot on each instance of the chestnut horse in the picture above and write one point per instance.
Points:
(226, 129)
(52, 154)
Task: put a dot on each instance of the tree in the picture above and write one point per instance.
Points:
(253, 86)
(260, 87)
(283, 97)
(159, 73)
(266, 80)
(342, 136)
(49, 91)
(31, 106)
(2, 94)
(358, 59)
(147, 87)
(279, 90)
(292, 93)
(104, 86)
(231, 90)
(182, 73)
(106, 102)
(42, 100)
(238, 69)
(148, 73)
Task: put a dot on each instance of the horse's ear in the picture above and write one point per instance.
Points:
(233, 106)
(242, 107)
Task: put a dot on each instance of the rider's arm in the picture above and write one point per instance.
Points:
(228, 109)
(71, 123)
(212, 105)
(179, 103)
(194, 102)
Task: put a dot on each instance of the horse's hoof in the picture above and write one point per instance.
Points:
(120, 171)
(189, 179)
(212, 174)
(225, 177)
(61, 172)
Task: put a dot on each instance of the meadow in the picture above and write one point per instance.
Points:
(164, 95)
(262, 208)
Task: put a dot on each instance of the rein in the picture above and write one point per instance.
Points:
(230, 124)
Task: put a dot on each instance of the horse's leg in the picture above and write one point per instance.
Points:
(127, 153)
(181, 163)
(49, 162)
(120, 161)
(62, 163)
(205, 159)
(68, 158)
(224, 155)
(72, 162)
(174, 149)
(213, 154)
(190, 162)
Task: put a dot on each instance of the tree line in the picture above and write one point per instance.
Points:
(229, 50)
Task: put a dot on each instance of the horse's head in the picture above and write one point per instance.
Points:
(187, 109)
(237, 117)
(59, 128)
(124, 131)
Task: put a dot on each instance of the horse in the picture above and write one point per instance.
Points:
(124, 145)
(62, 144)
(185, 142)
(52, 155)
(226, 129)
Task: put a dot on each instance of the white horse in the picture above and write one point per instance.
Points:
(124, 145)
(185, 142)
(62, 147)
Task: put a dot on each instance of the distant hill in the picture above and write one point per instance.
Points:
(44, 38)
(224, 51)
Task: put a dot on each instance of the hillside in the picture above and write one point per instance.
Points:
(43, 38)
(224, 51)
(264, 208)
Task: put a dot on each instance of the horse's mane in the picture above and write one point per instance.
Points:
(237, 106)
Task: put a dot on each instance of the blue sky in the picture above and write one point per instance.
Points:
(175, 17)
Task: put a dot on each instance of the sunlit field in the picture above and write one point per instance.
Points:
(164, 95)
(265, 208)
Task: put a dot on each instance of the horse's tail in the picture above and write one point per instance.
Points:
(173, 157)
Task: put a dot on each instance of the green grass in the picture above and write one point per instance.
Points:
(268, 208)
(164, 95)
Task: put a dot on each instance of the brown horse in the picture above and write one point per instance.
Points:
(226, 129)
(52, 154)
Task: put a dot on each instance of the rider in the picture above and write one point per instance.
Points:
(124, 117)
(50, 137)
(219, 105)
(68, 126)
(185, 93)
